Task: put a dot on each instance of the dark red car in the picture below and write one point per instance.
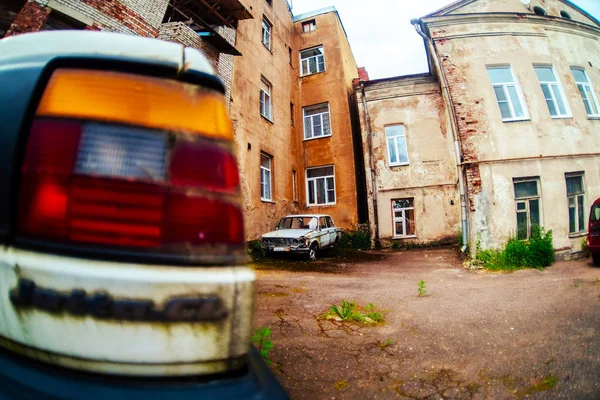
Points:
(593, 239)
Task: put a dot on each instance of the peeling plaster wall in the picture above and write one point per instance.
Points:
(496, 151)
(333, 86)
(430, 178)
(255, 134)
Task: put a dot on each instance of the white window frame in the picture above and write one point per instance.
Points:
(311, 24)
(557, 83)
(504, 86)
(578, 229)
(395, 139)
(266, 106)
(307, 73)
(264, 174)
(266, 33)
(525, 200)
(312, 118)
(327, 189)
(402, 219)
(590, 89)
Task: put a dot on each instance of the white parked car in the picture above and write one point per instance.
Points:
(305, 234)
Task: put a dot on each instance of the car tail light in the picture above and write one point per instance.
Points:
(112, 168)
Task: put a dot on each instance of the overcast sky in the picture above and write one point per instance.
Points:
(380, 33)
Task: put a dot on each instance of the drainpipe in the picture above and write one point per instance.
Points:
(453, 124)
(372, 165)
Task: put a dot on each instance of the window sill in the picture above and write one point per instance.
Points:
(315, 73)
(399, 165)
(594, 117)
(517, 119)
(405, 237)
(267, 119)
(316, 137)
(562, 117)
(267, 201)
(268, 48)
(577, 234)
(321, 205)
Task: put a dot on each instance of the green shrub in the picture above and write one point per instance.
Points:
(254, 248)
(351, 312)
(262, 342)
(584, 247)
(537, 252)
(359, 239)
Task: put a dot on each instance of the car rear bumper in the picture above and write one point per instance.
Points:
(22, 378)
(117, 318)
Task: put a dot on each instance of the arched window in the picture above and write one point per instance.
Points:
(539, 11)
(565, 14)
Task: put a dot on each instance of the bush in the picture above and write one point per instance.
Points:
(538, 252)
(255, 248)
(359, 239)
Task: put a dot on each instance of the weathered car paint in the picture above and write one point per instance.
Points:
(126, 347)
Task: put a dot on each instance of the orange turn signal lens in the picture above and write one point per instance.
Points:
(137, 100)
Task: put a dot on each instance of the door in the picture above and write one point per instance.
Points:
(324, 233)
(332, 231)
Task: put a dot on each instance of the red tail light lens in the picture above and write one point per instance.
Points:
(122, 186)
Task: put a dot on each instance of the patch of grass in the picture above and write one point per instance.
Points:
(422, 288)
(542, 385)
(584, 247)
(349, 311)
(385, 344)
(537, 252)
(262, 341)
(341, 385)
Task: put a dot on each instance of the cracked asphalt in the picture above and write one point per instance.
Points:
(475, 335)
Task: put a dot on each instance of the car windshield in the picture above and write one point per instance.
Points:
(298, 223)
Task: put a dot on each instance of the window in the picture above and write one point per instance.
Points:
(59, 21)
(290, 54)
(316, 121)
(565, 14)
(312, 61)
(396, 143)
(508, 94)
(294, 187)
(576, 199)
(265, 99)
(266, 33)
(320, 184)
(404, 217)
(527, 206)
(265, 177)
(553, 92)
(330, 222)
(539, 11)
(270, 2)
(322, 223)
(309, 26)
(587, 92)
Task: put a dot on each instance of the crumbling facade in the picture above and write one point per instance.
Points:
(288, 85)
(519, 83)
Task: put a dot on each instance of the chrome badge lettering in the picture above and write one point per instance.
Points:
(101, 305)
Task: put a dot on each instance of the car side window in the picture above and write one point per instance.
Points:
(322, 223)
(330, 222)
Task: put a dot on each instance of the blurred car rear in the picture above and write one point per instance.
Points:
(593, 239)
(124, 250)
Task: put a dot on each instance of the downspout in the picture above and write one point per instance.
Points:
(371, 165)
(453, 124)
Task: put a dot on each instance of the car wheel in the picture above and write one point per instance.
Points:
(596, 258)
(312, 252)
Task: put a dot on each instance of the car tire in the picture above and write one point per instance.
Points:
(596, 258)
(312, 252)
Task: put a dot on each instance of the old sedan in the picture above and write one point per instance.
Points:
(304, 234)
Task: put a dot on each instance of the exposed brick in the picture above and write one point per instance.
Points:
(30, 19)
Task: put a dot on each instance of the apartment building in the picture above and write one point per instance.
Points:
(288, 83)
(519, 84)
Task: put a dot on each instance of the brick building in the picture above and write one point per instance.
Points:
(517, 86)
(288, 83)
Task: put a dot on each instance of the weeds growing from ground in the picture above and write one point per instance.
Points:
(262, 340)
(537, 252)
(422, 288)
(349, 311)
